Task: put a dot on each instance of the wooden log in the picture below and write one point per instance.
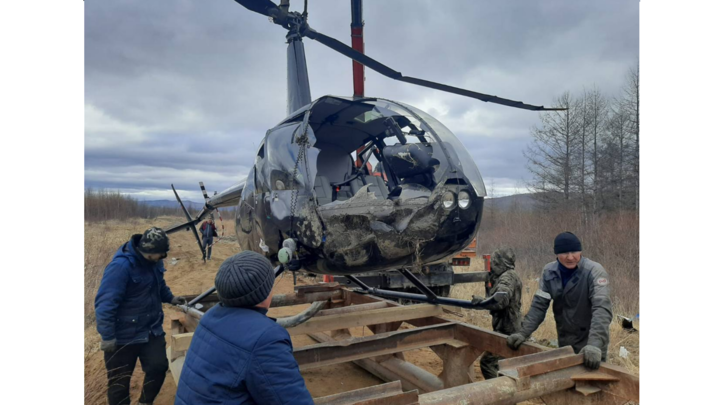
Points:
(416, 376)
(370, 346)
(372, 317)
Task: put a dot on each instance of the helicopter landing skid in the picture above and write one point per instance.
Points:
(427, 295)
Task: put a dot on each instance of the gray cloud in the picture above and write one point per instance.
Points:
(183, 91)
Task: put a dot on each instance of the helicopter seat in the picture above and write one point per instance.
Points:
(323, 191)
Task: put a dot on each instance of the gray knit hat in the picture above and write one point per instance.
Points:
(244, 280)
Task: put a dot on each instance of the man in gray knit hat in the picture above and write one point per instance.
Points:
(238, 354)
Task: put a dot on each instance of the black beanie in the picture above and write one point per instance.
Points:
(244, 280)
(154, 240)
(567, 242)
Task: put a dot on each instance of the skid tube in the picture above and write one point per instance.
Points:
(429, 298)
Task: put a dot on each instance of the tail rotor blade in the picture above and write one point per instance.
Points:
(190, 220)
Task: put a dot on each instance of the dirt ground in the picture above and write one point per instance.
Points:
(189, 275)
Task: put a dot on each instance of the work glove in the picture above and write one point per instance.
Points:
(178, 301)
(515, 340)
(108, 345)
(476, 300)
(592, 357)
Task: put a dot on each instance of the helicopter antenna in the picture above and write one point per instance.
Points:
(296, 23)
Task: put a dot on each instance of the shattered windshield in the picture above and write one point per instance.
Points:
(458, 154)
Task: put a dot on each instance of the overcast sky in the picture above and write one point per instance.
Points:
(183, 91)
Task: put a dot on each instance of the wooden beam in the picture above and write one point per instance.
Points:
(370, 346)
(351, 397)
(175, 365)
(493, 342)
(352, 308)
(372, 317)
(181, 341)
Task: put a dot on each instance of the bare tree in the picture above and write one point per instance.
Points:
(552, 154)
(596, 107)
(631, 105)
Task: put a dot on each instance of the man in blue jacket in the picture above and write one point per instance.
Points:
(238, 355)
(128, 310)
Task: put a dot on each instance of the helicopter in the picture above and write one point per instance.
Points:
(348, 185)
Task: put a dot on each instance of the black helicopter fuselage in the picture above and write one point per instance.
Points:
(411, 195)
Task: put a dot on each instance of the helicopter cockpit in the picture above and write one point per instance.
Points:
(365, 181)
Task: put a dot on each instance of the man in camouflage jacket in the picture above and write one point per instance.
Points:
(506, 312)
(580, 292)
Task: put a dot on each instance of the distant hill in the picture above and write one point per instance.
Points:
(523, 202)
(191, 205)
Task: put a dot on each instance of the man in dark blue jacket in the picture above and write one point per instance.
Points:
(238, 355)
(208, 232)
(128, 310)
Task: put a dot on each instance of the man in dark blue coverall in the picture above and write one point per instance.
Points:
(238, 355)
(128, 310)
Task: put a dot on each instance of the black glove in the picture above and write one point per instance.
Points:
(178, 301)
(108, 345)
(592, 357)
(515, 340)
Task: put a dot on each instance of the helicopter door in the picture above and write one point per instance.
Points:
(289, 173)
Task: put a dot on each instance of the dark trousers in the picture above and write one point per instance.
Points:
(489, 365)
(121, 363)
(207, 247)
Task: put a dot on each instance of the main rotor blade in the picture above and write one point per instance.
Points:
(371, 63)
(264, 7)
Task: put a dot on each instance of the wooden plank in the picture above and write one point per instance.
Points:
(550, 365)
(628, 385)
(175, 366)
(370, 346)
(181, 342)
(493, 342)
(515, 362)
(372, 317)
(352, 308)
(351, 397)
(314, 288)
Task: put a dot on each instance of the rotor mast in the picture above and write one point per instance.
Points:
(298, 84)
(356, 37)
(358, 44)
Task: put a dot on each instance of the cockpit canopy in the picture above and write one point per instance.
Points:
(382, 144)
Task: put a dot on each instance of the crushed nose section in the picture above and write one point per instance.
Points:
(364, 231)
